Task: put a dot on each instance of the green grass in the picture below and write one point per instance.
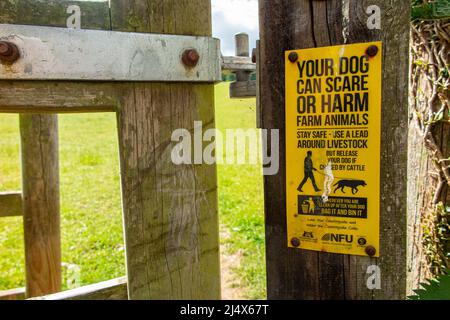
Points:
(241, 199)
(91, 223)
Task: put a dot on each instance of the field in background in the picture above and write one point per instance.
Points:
(92, 242)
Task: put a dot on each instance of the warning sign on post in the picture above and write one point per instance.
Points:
(333, 124)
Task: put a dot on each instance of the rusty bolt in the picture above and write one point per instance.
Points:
(9, 52)
(295, 242)
(293, 57)
(372, 51)
(190, 58)
(371, 251)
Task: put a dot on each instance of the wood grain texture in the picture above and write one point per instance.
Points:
(115, 289)
(58, 97)
(287, 25)
(170, 212)
(40, 185)
(238, 63)
(243, 89)
(11, 204)
(94, 15)
(12, 295)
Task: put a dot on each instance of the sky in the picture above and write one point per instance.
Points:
(233, 16)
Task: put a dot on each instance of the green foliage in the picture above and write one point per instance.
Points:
(436, 289)
(436, 239)
(430, 10)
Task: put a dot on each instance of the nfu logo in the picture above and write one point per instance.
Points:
(331, 237)
(309, 235)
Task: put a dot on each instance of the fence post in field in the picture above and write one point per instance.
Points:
(242, 50)
(243, 87)
(294, 273)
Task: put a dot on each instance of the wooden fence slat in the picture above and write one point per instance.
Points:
(238, 63)
(40, 184)
(13, 294)
(170, 212)
(58, 97)
(11, 204)
(115, 289)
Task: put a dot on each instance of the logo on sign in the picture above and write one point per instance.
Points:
(339, 238)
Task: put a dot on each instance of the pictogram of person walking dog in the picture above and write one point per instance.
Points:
(341, 185)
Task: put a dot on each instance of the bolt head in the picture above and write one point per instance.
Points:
(9, 52)
(372, 51)
(4, 48)
(371, 251)
(190, 58)
(293, 57)
(295, 242)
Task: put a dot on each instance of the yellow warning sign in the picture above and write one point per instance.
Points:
(333, 124)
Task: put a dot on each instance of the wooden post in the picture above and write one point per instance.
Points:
(40, 189)
(39, 151)
(242, 50)
(243, 87)
(170, 212)
(287, 25)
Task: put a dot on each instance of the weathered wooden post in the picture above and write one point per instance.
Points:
(156, 84)
(170, 211)
(243, 87)
(40, 193)
(242, 50)
(302, 274)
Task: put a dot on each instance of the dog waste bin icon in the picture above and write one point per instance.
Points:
(305, 207)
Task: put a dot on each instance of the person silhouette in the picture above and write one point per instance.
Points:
(309, 173)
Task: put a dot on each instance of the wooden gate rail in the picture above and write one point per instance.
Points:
(11, 204)
(115, 289)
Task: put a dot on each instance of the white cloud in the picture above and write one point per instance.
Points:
(234, 16)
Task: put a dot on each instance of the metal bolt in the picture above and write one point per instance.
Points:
(295, 242)
(190, 58)
(293, 57)
(9, 52)
(371, 251)
(372, 51)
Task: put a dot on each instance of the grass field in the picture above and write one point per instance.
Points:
(92, 241)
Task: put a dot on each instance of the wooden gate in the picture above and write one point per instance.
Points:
(170, 212)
